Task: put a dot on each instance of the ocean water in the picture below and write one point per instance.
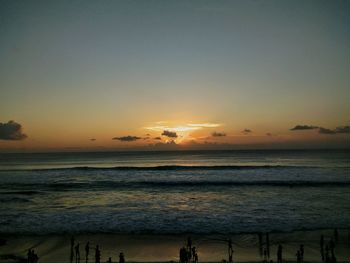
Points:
(202, 192)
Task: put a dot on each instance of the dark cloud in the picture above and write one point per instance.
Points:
(11, 131)
(303, 127)
(218, 134)
(326, 131)
(128, 138)
(157, 138)
(321, 130)
(343, 129)
(92, 139)
(169, 134)
(268, 134)
(246, 131)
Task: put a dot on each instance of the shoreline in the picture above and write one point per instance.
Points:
(165, 248)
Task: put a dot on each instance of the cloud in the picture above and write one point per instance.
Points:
(173, 129)
(321, 130)
(303, 127)
(157, 138)
(11, 131)
(326, 131)
(92, 139)
(128, 138)
(169, 134)
(218, 134)
(269, 134)
(246, 131)
(182, 128)
(204, 125)
(343, 129)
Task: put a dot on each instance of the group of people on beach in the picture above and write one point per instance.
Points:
(75, 253)
(327, 252)
(32, 257)
(189, 253)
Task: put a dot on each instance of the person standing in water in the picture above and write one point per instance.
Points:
(189, 248)
(322, 247)
(87, 250)
(279, 254)
(336, 236)
(97, 255)
(71, 249)
(260, 237)
(121, 257)
(77, 253)
(230, 251)
(268, 245)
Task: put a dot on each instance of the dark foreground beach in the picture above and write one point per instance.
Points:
(165, 248)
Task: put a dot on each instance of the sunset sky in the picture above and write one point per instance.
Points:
(174, 74)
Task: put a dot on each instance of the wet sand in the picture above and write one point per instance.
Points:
(165, 248)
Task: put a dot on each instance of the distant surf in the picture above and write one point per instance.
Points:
(176, 192)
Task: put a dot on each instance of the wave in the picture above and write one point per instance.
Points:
(110, 185)
(21, 192)
(168, 168)
(13, 200)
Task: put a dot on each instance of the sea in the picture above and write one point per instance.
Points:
(200, 192)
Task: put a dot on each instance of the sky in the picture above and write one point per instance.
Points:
(161, 74)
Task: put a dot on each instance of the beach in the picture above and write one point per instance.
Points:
(165, 248)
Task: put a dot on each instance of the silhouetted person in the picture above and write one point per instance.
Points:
(77, 253)
(189, 248)
(322, 247)
(268, 245)
(189, 242)
(97, 255)
(183, 255)
(301, 249)
(336, 235)
(87, 250)
(72, 243)
(260, 244)
(333, 259)
(71, 249)
(121, 257)
(32, 257)
(29, 256)
(298, 257)
(35, 257)
(327, 254)
(265, 255)
(230, 251)
(109, 260)
(196, 257)
(331, 246)
(279, 254)
(193, 252)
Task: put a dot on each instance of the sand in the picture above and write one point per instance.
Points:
(165, 248)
